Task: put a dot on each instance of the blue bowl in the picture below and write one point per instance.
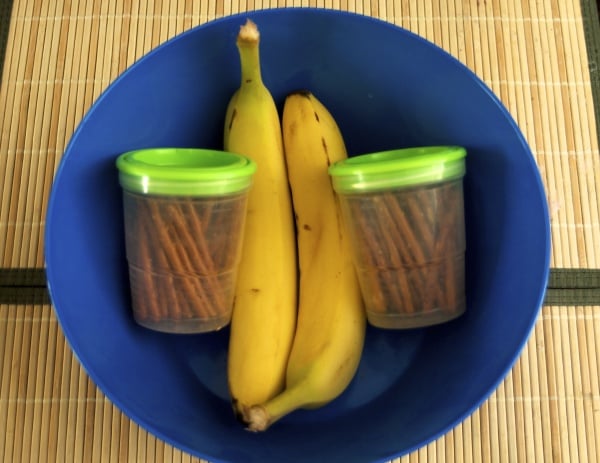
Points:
(388, 89)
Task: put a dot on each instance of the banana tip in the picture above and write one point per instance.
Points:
(256, 418)
(302, 93)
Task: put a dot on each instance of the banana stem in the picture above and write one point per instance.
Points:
(259, 417)
(248, 40)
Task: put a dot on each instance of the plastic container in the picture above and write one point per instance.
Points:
(184, 212)
(404, 210)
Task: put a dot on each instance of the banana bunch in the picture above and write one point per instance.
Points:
(264, 314)
(331, 320)
(318, 360)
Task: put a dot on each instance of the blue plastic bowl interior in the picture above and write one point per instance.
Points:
(388, 89)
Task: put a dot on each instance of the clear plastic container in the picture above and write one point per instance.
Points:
(404, 210)
(184, 214)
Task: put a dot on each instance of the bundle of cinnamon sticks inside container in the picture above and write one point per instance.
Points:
(182, 254)
(409, 246)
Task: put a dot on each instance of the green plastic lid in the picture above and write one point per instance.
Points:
(184, 172)
(398, 168)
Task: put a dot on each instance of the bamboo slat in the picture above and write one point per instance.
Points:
(546, 409)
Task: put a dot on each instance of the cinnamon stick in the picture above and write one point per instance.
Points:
(135, 258)
(195, 265)
(187, 249)
(146, 292)
(162, 256)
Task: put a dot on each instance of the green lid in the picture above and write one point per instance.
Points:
(184, 172)
(398, 168)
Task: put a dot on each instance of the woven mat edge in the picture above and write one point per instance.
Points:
(566, 287)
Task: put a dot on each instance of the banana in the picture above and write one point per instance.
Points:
(331, 319)
(265, 308)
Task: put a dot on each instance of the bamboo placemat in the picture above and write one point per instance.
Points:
(546, 410)
(534, 55)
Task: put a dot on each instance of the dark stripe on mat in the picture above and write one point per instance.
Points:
(5, 13)
(591, 28)
(573, 287)
(22, 277)
(565, 286)
(23, 286)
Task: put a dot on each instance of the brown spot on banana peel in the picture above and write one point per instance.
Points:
(338, 217)
(292, 128)
(233, 114)
(239, 416)
(316, 116)
(324, 144)
(307, 227)
(303, 93)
